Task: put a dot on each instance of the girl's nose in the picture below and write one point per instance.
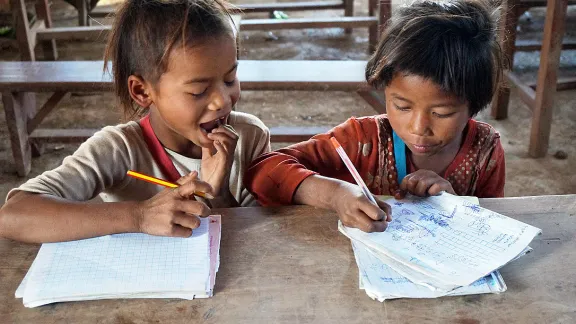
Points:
(420, 124)
(220, 99)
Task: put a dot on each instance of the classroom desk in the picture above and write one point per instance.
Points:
(291, 265)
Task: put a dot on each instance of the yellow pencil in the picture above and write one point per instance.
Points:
(164, 183)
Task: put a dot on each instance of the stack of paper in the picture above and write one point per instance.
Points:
(125, 266)
(436, 246)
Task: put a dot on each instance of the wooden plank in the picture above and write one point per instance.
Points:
(281, 134)
(254, 75)
(293, 134)
(301, 23)
(507, 36)
(50, 104)
(527, 95)
(528, 46)
(290, 6)
(101, 32)
(70, 33)
(375, 100)
(547, 76)
(49, 135)
(105, 11)
(562, 84)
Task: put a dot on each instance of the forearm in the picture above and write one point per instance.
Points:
(36, 218)
(317, 191)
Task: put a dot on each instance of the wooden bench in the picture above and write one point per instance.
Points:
(539, 95)
(19, 81)
(42, 31)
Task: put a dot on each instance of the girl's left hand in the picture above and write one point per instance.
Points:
(424, 183)
(216, 164)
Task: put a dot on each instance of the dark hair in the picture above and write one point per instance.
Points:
(451, 43)
(145, 32)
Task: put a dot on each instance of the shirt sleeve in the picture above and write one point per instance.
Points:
(262, 147)
(274, 177)
(493, 175)
(99, 163)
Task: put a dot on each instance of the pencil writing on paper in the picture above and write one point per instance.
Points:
(352, 169)
(164, 183)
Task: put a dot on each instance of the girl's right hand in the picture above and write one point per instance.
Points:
(173, 211)
(356, 210)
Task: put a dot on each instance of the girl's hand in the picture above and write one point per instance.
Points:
(424, 183)
(216, 166)
(356, 210)
(173, 211)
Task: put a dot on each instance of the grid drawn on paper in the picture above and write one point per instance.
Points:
(123, 263)
(474, 247)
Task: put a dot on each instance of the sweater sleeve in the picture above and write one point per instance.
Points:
(98, 164)
(274, 177)
(493, 174)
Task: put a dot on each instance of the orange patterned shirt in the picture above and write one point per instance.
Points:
(477, 170)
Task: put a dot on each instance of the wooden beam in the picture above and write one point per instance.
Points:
(50, 104)
(69, 33)
(375, 100)
(526, 94)
(290, 6)
(47, 135)
(294, 134)
(95, 32)
(562, 84)
(105, 11)
(554, 25)
(281, 134)
(302, 23)
(528, 46)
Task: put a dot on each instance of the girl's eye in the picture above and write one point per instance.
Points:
(230, 83)
(198, 95)
(401, 108)
(442, 115)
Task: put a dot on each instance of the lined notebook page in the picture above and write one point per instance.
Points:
(447, 239)
(121, 266)
(381, 281)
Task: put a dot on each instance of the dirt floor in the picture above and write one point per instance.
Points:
(525, 176)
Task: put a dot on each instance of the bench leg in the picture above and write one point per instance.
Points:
(48, 46)
(23, 34)
(547, 76)
(18, 108)
(384, 8)
(82, 6)
(507, 26)
(348, 12)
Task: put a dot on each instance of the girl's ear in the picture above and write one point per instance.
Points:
(140, 91)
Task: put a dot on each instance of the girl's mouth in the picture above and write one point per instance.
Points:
(211, 125)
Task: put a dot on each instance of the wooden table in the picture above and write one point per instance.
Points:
(290, 265)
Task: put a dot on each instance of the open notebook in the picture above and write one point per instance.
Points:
(125, 266)
(444, 242)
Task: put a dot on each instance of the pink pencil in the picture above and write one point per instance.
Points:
(352, 169)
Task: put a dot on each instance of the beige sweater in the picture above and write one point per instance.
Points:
(100, 164)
